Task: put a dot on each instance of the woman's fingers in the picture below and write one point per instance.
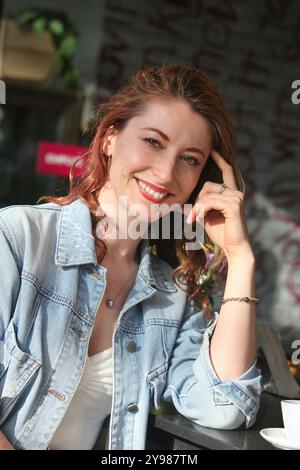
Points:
(211, 187)
(226, 169)
(227, 204)
(230, 196)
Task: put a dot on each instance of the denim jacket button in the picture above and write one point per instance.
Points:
(132, 408)
(131, 346)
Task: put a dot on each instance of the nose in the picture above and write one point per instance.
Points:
(165, 171)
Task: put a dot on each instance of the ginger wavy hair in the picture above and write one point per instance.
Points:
(151, 83)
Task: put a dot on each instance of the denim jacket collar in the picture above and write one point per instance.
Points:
(76, 245)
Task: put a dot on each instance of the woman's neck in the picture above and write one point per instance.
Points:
(121, 246)
(121, 251)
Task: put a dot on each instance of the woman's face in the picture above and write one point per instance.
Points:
(158, 157)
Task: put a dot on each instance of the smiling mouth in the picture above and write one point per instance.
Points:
(151, 194)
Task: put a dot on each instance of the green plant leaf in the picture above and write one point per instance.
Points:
(71, 74)
(67, 46)
(57, 64)
(39, 25)
(26, 17)
(56, 27)
(70, 78)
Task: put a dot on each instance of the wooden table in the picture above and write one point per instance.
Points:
(167, 429)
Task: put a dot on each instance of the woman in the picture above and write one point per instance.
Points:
(95, 325)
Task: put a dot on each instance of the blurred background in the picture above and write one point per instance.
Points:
(58, 59)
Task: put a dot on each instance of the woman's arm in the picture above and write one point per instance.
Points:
(4, 443)
(233, 344)
(192, 385)
(10, 285)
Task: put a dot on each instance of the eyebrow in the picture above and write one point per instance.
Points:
(165, 137)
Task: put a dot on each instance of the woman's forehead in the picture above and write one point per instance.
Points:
(171, 117)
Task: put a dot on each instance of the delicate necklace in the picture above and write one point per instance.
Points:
(109, 302)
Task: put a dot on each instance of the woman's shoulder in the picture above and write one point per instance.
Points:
(22, 209)
(19, 221)
(18, 213)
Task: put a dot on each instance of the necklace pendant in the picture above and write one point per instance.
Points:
(109, 303)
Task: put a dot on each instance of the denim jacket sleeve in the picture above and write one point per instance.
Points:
(193, 386)
(9, 277)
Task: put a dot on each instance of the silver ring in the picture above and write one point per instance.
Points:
(223, 187)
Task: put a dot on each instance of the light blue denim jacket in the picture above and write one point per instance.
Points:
(51, 288)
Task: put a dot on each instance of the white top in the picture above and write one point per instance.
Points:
(89, 407)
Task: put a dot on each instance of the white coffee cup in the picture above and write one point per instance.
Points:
(291, 420)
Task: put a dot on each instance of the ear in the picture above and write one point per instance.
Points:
(109, 140)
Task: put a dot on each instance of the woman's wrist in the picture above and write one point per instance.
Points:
(240, 277)
(244, 257)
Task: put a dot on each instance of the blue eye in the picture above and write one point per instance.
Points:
(153, 142)
(194, 161)
(150, 140)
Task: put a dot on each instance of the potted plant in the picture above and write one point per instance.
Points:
(24, 56)
(57, 28)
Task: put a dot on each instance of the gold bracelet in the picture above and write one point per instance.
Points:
(254, 300)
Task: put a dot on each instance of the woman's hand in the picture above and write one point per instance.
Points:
(224, 217)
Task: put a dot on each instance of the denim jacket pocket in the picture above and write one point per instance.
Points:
(16, 369)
